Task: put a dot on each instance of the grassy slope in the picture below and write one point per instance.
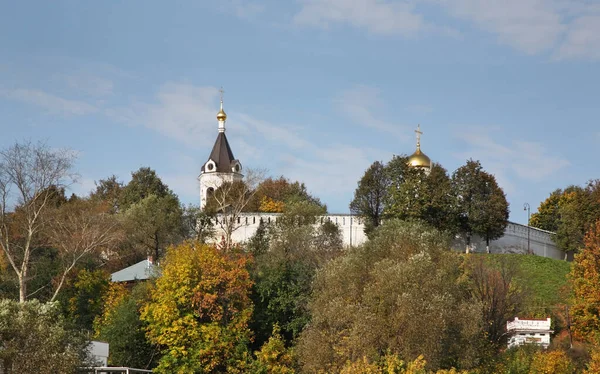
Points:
(545, 278)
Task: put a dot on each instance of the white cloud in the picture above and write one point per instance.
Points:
(525, 160)
(531, 26)
(88, 83)
(566, 29)
(51, 103)
(363, 106)
(582, 39)
(378, 17)
(181, 111)
(243, 9)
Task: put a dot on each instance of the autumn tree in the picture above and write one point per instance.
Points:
(274, 357)
(547, 216)
(570, 213)
(83, 298)
(369, 196)
(120, 325)
(585, 281)
(81, 229)
(366, 303)
(30, 175)
(493, 286)
(199, 310)
(480, 203)
(273, 195)
(108, 190)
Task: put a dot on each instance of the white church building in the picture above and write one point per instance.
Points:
(222, 167)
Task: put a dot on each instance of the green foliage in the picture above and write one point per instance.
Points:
(370, 195)
(199, 311)
(144, 182)
(122, 328)
(83, 297)
(288, 255)
(34, 339)
(369, 301)
(480, 203)
(414, 194)
(570, 213)
(154, 223)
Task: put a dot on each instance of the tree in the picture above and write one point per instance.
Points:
(547, 216)
(369, 196)
(366, 303)
(154, 223)
(197, 224)
(481, 204)
(493, 287)
(120, 326)
(35, 339)
(199, 310)
(79, 229)
(585, 280)
(274, 357)
(144, 182)
(288, 256)
(230, 201)
(274, 195)
(108, 190)
(30, 175)
(82, 300)
(414, 194)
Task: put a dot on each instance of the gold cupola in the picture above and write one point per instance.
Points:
(221, 116)
(419, 159)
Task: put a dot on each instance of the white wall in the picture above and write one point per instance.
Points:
(352, 228)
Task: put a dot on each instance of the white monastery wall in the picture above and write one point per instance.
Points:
(352, 228)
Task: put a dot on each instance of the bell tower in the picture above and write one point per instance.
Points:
(221, 165)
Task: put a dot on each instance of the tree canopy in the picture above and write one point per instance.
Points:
(199, 310)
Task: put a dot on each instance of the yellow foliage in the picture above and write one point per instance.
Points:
(553, 362)
(269, 205)
(199, 310)
(593, 367)
(273, 357)
(115, 294)
(392, 364)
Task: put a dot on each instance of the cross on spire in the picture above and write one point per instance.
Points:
(221, 91)
(419, 133)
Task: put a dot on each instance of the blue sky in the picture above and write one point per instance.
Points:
(315, 90)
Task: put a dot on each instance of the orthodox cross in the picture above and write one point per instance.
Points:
(419, 133)
(222, 92)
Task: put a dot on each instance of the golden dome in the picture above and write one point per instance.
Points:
(221, 116)
(419, 159)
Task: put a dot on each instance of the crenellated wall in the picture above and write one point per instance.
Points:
(352, 228)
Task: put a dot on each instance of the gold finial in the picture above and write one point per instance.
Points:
(221, 116)
(419, 133)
